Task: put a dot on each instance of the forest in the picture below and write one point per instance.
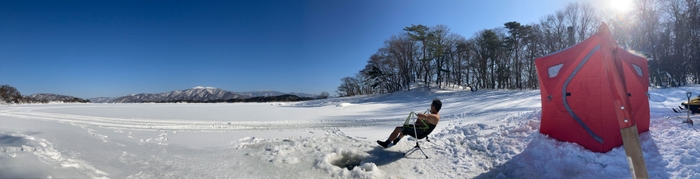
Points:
(666, 32)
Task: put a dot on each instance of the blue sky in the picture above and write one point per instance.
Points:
(113, 48)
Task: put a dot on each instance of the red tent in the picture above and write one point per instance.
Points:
(577, 102)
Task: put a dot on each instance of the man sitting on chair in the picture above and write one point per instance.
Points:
(425, 124)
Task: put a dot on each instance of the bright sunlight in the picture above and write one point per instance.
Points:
(621, 5)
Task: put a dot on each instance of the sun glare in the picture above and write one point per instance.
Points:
(621, 5)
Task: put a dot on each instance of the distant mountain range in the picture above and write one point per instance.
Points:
(194, 94)
(48, 97)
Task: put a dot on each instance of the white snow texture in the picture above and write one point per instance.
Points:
(483, 134)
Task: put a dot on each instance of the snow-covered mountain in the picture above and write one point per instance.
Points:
(54, 97)
(303, 94)
(198, 93)
(263, 93)
(194, 94)
(101, 99)
(268, 93)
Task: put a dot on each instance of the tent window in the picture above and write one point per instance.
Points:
(639, 70)
(554, 70)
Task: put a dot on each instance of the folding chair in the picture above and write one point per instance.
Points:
(415, 131)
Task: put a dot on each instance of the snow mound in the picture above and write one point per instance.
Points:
(15, 145)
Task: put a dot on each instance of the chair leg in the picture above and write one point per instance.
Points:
(414, 149)
(421, 151)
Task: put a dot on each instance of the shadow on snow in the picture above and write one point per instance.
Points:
(545, 157)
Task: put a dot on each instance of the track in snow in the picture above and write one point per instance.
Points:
(184, 125)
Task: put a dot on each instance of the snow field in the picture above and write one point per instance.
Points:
(484, 134)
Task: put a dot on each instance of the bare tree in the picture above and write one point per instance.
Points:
(438, 48)
(571, 13)
(348, 87)
(588, 21)
(422, 34)
(323, 95)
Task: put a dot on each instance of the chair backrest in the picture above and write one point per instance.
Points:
(414, 115)
(422, 128)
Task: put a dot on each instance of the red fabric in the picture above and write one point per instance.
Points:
(637, 84)
(590, 97)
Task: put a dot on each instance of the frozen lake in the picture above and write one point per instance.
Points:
(485, 134)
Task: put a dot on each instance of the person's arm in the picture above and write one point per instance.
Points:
(431, 118)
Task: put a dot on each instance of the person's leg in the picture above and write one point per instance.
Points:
(410, 131)
(395, 134)
(407, 131)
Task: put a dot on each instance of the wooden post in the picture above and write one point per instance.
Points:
(633, 149)
(616, 79)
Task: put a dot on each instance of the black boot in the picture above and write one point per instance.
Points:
(397, 140)
(384, 144)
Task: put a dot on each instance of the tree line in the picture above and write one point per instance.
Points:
(667, 32)
(11, 95)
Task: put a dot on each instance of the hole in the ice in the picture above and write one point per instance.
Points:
(348, 160)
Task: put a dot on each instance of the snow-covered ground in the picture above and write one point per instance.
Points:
(484, 134)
